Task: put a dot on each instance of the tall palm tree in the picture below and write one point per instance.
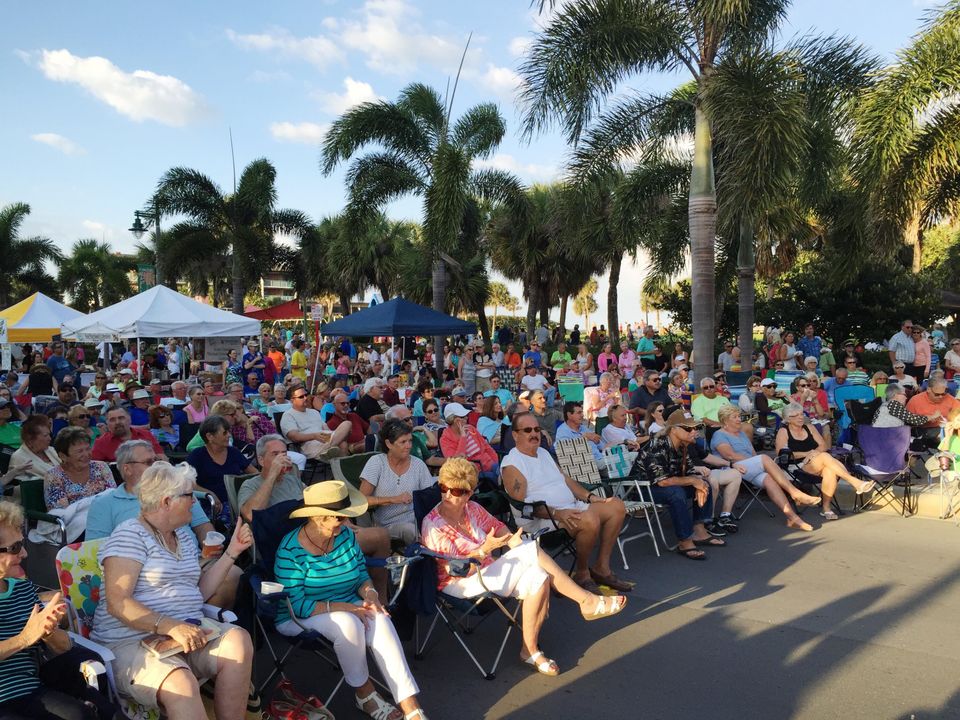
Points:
(23, 260)
(94, 277)
(240, 226)
(419, 152)
(589, 49)
(908, 135)
(585, 302)
(498, 297)
(373, 256)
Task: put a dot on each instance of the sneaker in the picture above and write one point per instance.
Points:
(726, 522)
(330, 453)
(714, 529)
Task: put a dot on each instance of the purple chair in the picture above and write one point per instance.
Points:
(886, 461)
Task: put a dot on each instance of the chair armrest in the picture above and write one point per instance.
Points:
(47, 517)
(215, 613)
(104, 653)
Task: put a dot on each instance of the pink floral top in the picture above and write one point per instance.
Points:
(438, 535)
(59, 490)
(921, 356)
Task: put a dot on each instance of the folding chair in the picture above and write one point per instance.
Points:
(886, 461)
(461, 616)
(233, 483)
(621, 479)
(81, 582)
(842, 396)
(35, 506)
(756, 495)
(349, 467)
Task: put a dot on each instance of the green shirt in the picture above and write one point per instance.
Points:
(558, 360)
(645, 347)
(826, 360)
(704, 407)
(10, 435)
(420, 448)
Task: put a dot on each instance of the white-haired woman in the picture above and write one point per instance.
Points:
(153, 584)
(807, 445)
(605, 397)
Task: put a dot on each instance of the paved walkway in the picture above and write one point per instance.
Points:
(855, 620)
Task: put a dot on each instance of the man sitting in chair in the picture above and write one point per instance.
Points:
(530, 474)
(278, 482)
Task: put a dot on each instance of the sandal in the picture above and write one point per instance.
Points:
(693, 553)
(607, 606)
(589, 585)
(383, 709)
(546, 666)
(867, 487)
(285, 710)
(710, 542)
(807, 501)
(829, 515)
(417, 714)
(611, 581)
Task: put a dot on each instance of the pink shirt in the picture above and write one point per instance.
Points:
(604, 359)
(921, 357)
(438, 535)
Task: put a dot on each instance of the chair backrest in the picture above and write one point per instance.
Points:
(269, 526)
(233, 483)
(784, 378)
(5, 454)
(881, 389)
(424, 501)
(349, 467)
(81, 581)
(31, 495)
(738, 377)
(618, 461)
(600, 424)
(187, 433)
(576, 460)
(863, 393)
(884, 448)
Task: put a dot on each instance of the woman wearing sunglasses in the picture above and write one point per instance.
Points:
(324, 571)
(805, 392)
(99, 386)
(79, 416)
(460, 528)
(431, 412)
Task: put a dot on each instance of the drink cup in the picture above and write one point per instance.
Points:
(268, 588)
(213, 544)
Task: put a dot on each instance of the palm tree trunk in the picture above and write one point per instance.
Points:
(239, 287)
(345, 304)
(913, 236)
(493, 328)
(439, 279)
(563, 315)
(703, 230)
(746, 273)
(482, 324)
(613, 321)
(533, 295)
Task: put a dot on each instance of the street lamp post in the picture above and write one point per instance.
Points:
(139, 228)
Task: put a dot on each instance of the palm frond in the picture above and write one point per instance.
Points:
(479, 130)
(378, 178)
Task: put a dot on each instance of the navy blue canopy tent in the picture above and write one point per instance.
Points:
(398, 317)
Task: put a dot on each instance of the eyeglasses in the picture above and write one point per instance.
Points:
(406, 419)
(850, 362)
(655, 380)
(917, 332)
(456, 492)
(185, 494)
(692, 429)
(83, 416)
(528, 430)
(432, 410)
(298, 397)
(148, 463)
(12, 549)
(708, 387)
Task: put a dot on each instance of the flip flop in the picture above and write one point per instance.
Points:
(710, 542)
(691, 553)
(612, 581)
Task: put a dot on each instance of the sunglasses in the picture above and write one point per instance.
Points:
(432, 410)
(12, 549)
(529, 430)
(655, 380)
(298, 397)
(456, 492)
(84, 416)
(802, 385)
(708, 387)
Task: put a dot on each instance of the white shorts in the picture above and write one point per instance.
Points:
(753, 467)
(536, 524)
(516, 573)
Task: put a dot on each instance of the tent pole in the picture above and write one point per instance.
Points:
(393, 355)
(139, 364)
(316, 362)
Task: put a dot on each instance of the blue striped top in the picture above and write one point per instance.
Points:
(310, 579)
(19, 673)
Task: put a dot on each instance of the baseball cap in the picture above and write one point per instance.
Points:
(155, 381)
(459, 392)
(454, 410)
(5, 403)
(767, 382)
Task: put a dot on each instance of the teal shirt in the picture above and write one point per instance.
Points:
(111, 508)
(310, 579)
(645, 347)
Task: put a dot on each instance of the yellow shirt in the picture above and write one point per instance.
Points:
(299, 358)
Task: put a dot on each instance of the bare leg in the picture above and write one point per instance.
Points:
(339, 438)
(534, 609)
(780, 478)
(729, 480)
(225, 595)
(179, 697)
(375, 542)
(776, 494)
(611, 516)
(234, 662)
(585, 539)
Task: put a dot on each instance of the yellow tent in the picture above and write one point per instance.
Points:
(36, 319)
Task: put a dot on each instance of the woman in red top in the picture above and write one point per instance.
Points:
(464, 440)
(459, 528)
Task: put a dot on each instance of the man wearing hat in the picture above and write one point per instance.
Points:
(139, 408)
(530, 475)
(253, 360)
(675, 481)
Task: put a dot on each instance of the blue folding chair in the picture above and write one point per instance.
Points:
(849, 393)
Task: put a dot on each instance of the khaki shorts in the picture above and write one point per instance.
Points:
(139, 674)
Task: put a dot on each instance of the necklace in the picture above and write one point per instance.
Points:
(161, 540)
(324, 547)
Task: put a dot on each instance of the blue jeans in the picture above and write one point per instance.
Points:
(675, 497)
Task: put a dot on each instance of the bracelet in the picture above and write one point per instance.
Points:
(328, 606)
(156, 625)
(232, 557)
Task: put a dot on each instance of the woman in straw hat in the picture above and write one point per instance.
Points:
(322, 568)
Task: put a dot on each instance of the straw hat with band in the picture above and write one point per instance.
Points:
(331, 498)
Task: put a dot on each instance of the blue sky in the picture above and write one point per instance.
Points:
(102, 98)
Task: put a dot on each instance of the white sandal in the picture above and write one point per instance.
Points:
(383, 711)
(544, 666)
(607, 606)
(417, 714)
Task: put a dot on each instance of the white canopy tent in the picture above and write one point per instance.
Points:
(158, 312)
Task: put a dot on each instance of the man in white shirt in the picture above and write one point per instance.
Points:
(305, 426)
(497, 356)
(484, 365)
(616, 431)
(530, 475)
(104, 354)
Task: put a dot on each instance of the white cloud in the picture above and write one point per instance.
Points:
(305, 132)
(520, 45)
(355, 92)
(317, 50)
(59, 142)
(500, 80)
(140, 95)
(394, 42)
(98, 230)
(527, 171)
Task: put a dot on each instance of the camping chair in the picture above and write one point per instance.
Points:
(842, 396)
(807, 482)
(349, 467)
(621, 479)
(461, 616)
(81, 583)
(35, 506)
(269, 527)
(233, 484)
(886, 461)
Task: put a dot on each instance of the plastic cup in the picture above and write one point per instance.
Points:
(268, 588)
(213, 544)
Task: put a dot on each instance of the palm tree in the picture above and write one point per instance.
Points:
(23, 260)
(585, 302)
(94, 277)
(418, 152)
(239, 226)
(583, 57)
(907, 136)
(498, 297)
(373, 256)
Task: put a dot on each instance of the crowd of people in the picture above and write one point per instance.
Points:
(147, 447)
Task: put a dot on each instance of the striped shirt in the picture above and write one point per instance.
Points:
(387, 483)
(19, 673)
(309, 579)
(165, 585)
